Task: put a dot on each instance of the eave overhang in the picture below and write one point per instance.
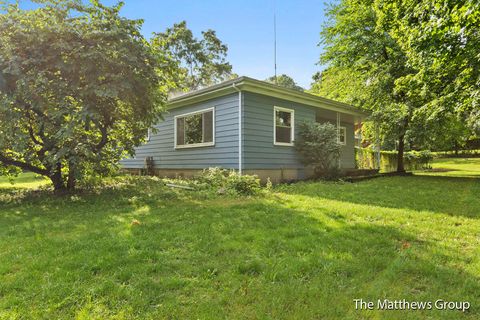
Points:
(264, 88)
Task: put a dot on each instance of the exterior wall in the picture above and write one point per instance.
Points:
(260, 155)
(161, 144)
(259, 151)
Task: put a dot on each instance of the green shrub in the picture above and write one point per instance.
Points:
(319, 148)
(229, 181)
(216, 177)
(246, 185)
(413, 160)
(421, 159)
(474, 153)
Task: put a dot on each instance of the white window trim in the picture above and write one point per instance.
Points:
(149, 134)
(344, 129)
(292, 133)
(193, 145)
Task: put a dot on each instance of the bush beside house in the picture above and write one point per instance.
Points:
(319, 148)
(229, 181)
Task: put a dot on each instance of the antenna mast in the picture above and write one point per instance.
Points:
(275, 38)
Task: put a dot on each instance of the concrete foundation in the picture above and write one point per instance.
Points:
(275, 175)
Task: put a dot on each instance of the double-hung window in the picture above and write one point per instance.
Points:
(195, 129)
(284, 121)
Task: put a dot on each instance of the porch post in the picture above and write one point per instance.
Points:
(358, 144)
(377, 145)
(338, 137)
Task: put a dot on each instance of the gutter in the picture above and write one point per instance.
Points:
(261, 87)
(239, 128)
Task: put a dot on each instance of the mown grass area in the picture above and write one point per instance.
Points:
(139, 250)
(24, 181)
(455, 167)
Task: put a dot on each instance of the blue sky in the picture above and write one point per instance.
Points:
(247, 28)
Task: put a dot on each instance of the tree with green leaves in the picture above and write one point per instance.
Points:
(414, 64)
(80, 88)
(285, 81)
(441, 40)
(355, 44)
(200, 62)
(341, 84)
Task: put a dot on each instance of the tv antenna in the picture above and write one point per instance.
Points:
(275, 39)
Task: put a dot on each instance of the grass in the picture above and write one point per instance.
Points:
(455, 167)
(138, 250)
(24, 181)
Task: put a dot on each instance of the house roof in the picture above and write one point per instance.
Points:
(265, 88)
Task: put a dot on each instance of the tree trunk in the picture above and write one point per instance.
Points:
(455, 146)
(401, 149)
(71, 180)
(57, 178)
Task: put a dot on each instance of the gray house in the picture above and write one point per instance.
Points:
(242, 124)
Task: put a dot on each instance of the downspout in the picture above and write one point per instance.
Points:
(239, 128)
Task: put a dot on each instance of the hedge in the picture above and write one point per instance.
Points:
(413, 160)
(460, 154)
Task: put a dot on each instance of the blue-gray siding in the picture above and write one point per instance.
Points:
(223, 154)
(259, 152)
(257, 125)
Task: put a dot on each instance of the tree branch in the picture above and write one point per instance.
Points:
(40, 153)
(23, 165)
(32, 135)
(38, 112)
(104, 139)
(385, 53)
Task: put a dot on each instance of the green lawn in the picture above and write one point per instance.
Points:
(455, 167)
(138, 250)
(24, 181)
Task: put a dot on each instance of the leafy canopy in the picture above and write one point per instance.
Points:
(441, 40)
(200, 62)
(285, 81)
(356, 45)
(80, 86)
(380, 57)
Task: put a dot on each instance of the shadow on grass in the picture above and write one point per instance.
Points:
(456, 196)
(449, 174)
(221, 258)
